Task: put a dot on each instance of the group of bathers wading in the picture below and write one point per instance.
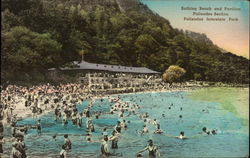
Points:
(63, 101)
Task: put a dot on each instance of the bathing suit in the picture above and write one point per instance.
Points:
(34, 110)
(151, 151)
(38, 126)
(87, 114)
(114, 144)
(103, 149)
(62, 153)
(118, 128)
(68, 144)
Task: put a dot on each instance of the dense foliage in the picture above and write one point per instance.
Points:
(37, 35)
(173, 74)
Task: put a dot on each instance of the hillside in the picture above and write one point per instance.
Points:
(37, 35)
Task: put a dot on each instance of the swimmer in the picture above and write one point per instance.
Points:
(181, 136)
(214, 131)
(124, 125)
(139, 156)
(145, 129)
(204, 129)
(54, 137)
(88, 137)
(152, 150)
(154, 122)
(158, 130)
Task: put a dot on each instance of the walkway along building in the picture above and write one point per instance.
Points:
(102, 76)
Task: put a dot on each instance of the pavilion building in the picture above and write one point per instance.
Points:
(103, 76)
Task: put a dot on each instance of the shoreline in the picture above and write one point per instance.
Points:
(23, 112)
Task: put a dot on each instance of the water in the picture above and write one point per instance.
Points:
(231, 141)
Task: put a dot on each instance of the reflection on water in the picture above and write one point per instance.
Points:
(232, 139)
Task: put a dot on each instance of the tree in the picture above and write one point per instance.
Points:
(173, 74)
(82, 53)
(27, 51)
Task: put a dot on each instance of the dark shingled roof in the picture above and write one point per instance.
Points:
(83, 65)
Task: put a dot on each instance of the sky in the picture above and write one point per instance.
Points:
(232, 36)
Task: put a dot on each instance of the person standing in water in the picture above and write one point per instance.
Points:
(152, 150)
(105, 148)
(105, 133)
(63, 152)
(67, 142)
(118, 127)
(39, 127)
(114, 139)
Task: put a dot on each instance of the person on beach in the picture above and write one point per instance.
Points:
(63, 152)
(34, 112)
(79, 120)
(152, 149)
(57, 113)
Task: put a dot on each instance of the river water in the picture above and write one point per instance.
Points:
(200, 108)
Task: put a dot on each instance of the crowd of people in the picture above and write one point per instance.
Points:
(63, 101)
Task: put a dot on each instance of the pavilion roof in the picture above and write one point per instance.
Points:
(83, 65)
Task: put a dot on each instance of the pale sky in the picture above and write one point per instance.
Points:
(229, 35)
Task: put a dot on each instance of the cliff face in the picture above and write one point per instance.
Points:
(89, 5)
(199, 37)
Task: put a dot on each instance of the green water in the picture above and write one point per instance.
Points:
(235, 100)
